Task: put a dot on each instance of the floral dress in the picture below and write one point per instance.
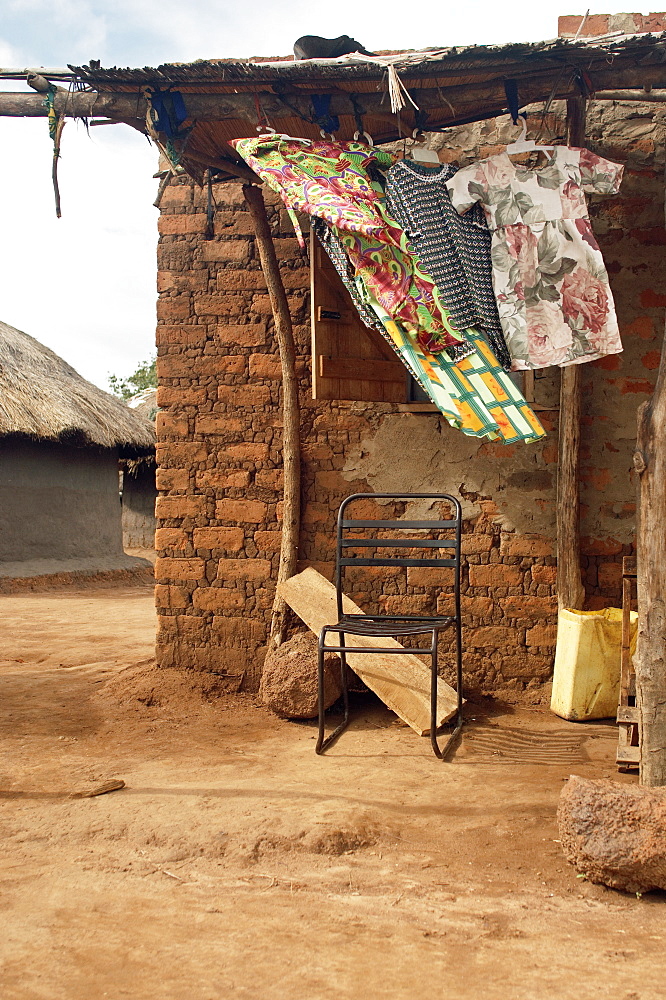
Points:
(552, 289)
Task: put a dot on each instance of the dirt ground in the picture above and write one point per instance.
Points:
(236, 863)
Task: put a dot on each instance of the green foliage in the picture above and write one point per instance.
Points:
(145, 377)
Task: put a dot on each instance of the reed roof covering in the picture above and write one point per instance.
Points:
(229, 98)
(44, 398)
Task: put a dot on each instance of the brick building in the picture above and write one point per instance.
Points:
(219, 429)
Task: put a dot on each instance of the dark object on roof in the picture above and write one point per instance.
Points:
(315, 47)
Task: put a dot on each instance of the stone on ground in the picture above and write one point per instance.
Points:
(614, 834)
(289, 678)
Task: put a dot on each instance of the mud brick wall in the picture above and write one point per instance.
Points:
(219, 430)
(603, 24)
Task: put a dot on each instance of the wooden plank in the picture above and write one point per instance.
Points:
(350, 361)
(380, 371)
(629, 755)
(402, 682)
(627, 714)
(629, 566)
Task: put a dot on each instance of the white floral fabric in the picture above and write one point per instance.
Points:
(550, 281)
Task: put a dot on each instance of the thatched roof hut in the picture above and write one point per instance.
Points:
(44, 398)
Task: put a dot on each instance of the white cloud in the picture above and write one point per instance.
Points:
(83, 284)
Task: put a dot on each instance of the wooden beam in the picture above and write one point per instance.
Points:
(630, 95)
(570, 590)
(401, 681)
(291, 432)
(446, 103)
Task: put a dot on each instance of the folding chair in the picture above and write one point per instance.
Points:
(394, 625)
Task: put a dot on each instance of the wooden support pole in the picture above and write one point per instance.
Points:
(650, 659)
(291, 433)
(570, 590)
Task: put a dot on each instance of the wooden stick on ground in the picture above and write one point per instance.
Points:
(291, 433)
(570, 590)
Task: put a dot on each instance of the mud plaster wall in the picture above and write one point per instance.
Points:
(138, 507)
(219, 431)
(59, 508)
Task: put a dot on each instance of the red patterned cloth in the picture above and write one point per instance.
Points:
(332, 181)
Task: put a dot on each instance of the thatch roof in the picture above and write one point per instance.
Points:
(43, 397)
(145, 403)
(451, 86)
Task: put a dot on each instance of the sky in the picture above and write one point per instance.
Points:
(84, 284)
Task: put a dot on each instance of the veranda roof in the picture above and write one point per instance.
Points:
(231, 98)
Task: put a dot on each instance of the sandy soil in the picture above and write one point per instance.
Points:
(236, 863)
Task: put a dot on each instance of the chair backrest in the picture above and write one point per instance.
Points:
(365, 537)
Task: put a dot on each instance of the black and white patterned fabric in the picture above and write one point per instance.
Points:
(453, 250)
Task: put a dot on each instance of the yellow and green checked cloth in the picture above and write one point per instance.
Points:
(475, 394)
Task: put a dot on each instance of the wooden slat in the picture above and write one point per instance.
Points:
(379, 371)
(402, 682)
(629, 566)
(628, 755)
(350, 361)
(628, 752)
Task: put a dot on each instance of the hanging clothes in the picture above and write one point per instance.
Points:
(453, 249)
(475, 394)
(552, 288)
(332, 181)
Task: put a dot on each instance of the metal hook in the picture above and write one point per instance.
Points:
(366, 135)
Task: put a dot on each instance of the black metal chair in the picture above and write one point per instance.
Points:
(394, 625)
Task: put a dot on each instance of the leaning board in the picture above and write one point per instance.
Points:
(402, 682)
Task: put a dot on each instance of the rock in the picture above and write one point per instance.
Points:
(289, 678)
(614, 834)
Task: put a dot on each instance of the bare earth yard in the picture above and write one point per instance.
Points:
(236, 863)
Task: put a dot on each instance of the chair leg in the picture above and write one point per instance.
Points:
(324, 743)
(443, 754)
(320, 692)
(433, 696)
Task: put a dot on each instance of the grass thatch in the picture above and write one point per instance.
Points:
(43, 398)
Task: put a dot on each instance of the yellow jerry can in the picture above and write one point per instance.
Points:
(586, 678)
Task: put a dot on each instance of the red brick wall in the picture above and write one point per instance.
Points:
(220, 439)
(602, 24)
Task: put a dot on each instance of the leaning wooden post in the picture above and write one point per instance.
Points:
(570, 590)
(291, 432)
(650, 659)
